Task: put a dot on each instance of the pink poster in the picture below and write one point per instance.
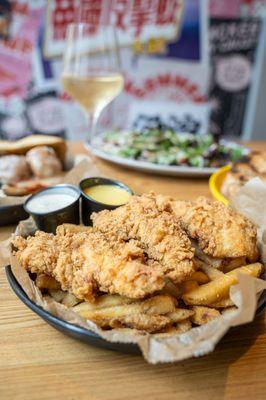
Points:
(16, 49)
(225, 8)
(133, 19)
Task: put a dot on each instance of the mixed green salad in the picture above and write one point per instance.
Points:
(167, 147)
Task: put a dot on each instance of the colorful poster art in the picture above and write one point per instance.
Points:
(164, 85)
(19, 30)
(164, 59)
(135, 20)
(184, 118)
(164, 53)
(225, 8)
(256, 8)
(177, 77)
(233, 47)
(190, 45)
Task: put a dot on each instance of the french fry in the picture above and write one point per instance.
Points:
(211, 272)
(148, 323)
(104, 301)
(110, 300)
(181, 327)
(200, 277)
(70, 300)
(47, 282)
(117, 311)
(218, 289)
(179, 314)
(160, 304)
(224, 303)
(202, 315)
(57, 295)
(188, 286)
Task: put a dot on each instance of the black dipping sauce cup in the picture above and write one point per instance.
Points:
(48, 222)
(89, 205)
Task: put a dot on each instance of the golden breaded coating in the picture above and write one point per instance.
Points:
(220, 231)
(71, 228)
(150, 223)
(131, 251)
(39, 252)
(88, 262)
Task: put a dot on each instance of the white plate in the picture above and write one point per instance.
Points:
(144, 166)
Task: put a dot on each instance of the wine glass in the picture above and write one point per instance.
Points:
(91, 69)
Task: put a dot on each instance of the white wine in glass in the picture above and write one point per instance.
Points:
(91, 72)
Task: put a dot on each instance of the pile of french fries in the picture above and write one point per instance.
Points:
(175, 310)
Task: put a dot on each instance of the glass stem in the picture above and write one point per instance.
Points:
(92, 121)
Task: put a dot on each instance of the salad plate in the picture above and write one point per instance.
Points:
(151, 168)
(165, 152)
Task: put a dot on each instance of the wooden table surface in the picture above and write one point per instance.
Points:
(37, 362)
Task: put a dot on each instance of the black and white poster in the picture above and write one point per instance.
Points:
(233, 47)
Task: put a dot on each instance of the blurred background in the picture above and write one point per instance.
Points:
(194, 65)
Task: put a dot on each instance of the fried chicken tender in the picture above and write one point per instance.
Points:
(147, 220)
(88, 262)
(38, 253)
(132, 251)
(220, 231)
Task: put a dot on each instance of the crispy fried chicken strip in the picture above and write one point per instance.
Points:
(132, 251)
(88, 262)
(38, 253)
(220, 231)
(156, 230)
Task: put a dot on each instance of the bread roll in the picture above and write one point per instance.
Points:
(22, 146)
(44, 162)
(13, 169)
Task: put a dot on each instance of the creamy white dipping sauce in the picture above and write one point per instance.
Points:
(50, 202)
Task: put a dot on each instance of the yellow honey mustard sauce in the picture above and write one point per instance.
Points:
(108, 194)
